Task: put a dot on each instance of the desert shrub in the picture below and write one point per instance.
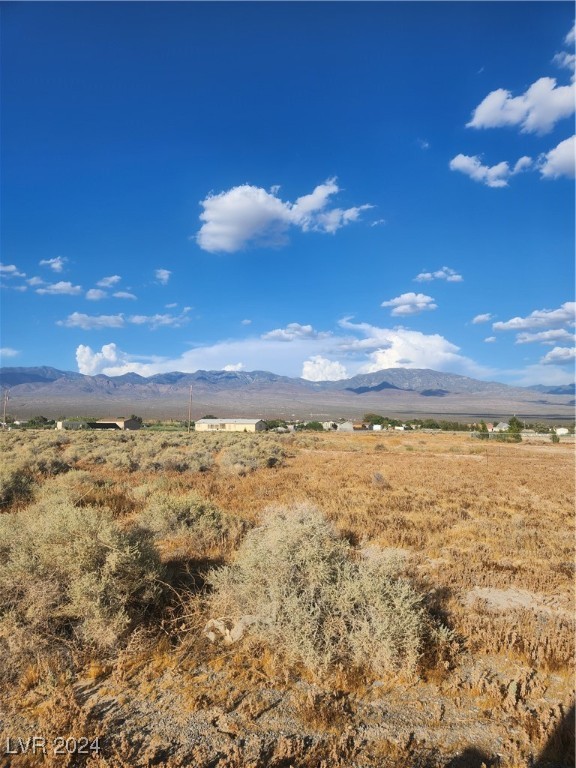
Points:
(16, 484)
(247, 455)
(188, 515)
(71, 573)
(301, 590)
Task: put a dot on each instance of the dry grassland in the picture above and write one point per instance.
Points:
(431, 625)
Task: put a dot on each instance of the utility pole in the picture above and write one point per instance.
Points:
(190, 409)
(6, 398)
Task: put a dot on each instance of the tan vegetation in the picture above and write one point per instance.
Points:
(377, 599)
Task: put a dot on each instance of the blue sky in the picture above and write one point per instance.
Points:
(316, 189)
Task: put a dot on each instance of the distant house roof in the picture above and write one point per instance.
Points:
(501, 427)
(228, 421)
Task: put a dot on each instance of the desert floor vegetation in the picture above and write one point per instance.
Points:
(373, 600)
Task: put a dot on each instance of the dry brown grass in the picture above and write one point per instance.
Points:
(485, 532)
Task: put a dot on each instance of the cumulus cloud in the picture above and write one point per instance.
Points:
(91, 363)
(246, 322)
(57, 264)
(545, 337)
(485, 318)
(410, 304)
(559, 356)
(123, 295)
(10, 270)
(491, 176)
(564, 59)
(61, 288)
(404, 348)
(33, 281)
(490, 339)
(292, 332)
(108, 282)
(248, 215)
(540, 318)
(319, 368)
(95, 294)
(571, 36)
(559, 161)
(233, 367)
(8, 352)
(445, 273)
(537, 110)
(163, 276)
(91, 322)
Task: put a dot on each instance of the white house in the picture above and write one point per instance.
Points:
(230, 425)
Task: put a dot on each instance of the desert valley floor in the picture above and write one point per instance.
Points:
(374, 600)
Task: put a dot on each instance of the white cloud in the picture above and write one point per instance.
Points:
(441, 274)
(61, 288)
(403, 348)
(485, 318)
(233, 367)
(161, 321)
(536, 111)
(423, 144)
(358, 348)
(35, 281)
(10, 270)
(565, 60)
(123, 295)
(559, 161)
(540, 318)
(571, 36)
(490, 339)
(91, 322)
(246, 322)
(108, 282)
(8, 352)
(248, 215)
(57, 264)
(163, 276)
(559, 356)
(95, 294)
(491, 176)
(292, 332)
(319, 368)
(92, 363)
(410, 304)
(545, 337)
(378, 222)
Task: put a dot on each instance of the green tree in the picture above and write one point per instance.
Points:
(374, 418)
(314, 426)
(515, 425)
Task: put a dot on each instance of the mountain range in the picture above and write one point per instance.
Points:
(400, 392)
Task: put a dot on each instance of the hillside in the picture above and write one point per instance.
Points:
(396, 391)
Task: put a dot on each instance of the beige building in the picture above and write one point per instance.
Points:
(230, 425)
